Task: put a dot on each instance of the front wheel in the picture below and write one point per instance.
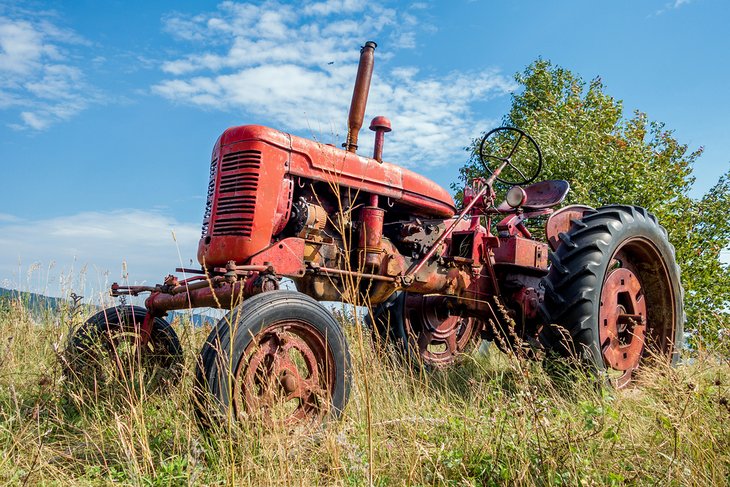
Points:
(280, 357)
(107, 349)
(613, 295)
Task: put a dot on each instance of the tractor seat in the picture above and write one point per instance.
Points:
(544, 194)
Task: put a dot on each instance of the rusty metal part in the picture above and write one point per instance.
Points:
(371, 236)
(190, 284)
(561, 222)
(523, 252)
(185, 270)
(515, 224)
(246, 203)
(381, 126)
(288, 254)
(342, 272)
(222, 296)
(283, 205)
(360, 95)
(486, 190)
(171, 280)
(528, 299)
(309, 219)
(219, 291)
(439, 335)
(286, 375)
(637, 309)
(261, 283)
(622, 322)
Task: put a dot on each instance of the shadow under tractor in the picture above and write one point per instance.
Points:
(602, 286)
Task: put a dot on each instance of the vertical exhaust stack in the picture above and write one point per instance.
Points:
(360, 95)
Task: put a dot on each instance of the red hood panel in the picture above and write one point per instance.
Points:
(322, 162)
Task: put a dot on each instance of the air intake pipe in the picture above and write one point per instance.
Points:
(360, 95)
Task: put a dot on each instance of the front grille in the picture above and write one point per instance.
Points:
(236, 202)
(211, 191)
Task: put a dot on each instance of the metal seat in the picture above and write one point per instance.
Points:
(544, 194)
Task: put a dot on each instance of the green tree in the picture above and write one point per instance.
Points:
(609, 158)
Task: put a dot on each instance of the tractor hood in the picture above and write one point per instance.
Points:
(325, 162)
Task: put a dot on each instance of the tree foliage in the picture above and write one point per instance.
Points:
(609, 158)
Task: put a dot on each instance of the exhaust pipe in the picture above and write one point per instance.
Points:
(360, 95)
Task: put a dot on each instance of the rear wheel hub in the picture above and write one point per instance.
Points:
(622, 325)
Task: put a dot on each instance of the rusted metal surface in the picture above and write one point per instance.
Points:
(287, 373)
(514, 224)
(245, 205)
(538, 196)
(561, 221)
(622, 322)
(380, 125)
(286, 257)
(251, 194)
(344, 272)
(223, 296)
(485, 190)
(360, 94)
(520, 251)
(339, 225)
(440, 335)
(371, 236)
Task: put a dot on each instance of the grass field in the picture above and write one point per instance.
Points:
(493, 420)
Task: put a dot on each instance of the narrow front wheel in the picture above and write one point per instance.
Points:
(107, 349)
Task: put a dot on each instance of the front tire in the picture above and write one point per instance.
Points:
(613, 296)
(280, 357)
(106, 349)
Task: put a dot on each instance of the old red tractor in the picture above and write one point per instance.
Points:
(603, 285)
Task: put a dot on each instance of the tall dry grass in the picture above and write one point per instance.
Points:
(490, 421)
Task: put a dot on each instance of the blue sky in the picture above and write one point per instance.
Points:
(109, 110)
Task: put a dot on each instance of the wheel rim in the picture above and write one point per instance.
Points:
(439, 335)
(637, 309)
(286, 375)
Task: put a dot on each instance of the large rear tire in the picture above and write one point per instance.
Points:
(422, 330)
(280, 357)
(613, 296)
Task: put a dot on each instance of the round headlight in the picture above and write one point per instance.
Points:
(516, 197)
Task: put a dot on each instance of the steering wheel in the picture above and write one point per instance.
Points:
(524, 163)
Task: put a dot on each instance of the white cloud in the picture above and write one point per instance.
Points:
(294, 68)
(37, 79)
(99, 242)
(675, 4)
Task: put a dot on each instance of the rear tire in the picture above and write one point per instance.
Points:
(613, 296)
(422, 331)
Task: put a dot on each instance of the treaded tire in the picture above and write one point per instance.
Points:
(386, 322)
(395, 324)
(224, 352)
(94, 342)
(611, 236)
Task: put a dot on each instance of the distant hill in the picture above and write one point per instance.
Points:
(40, 305)
(35, 303)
